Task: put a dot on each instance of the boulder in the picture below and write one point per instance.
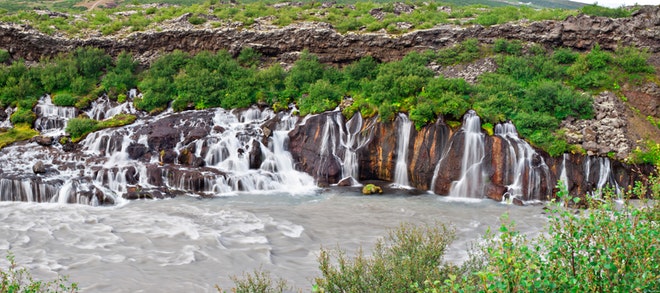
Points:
(39, 168)
(371, 189)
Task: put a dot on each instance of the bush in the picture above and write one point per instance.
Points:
(596, 10)
(407, 255)
(612, 247)
(17, 279)
(4, 56)
(23, 115)
(79, 127)
(18, 133)
(258, 282)
(64, 100)
(633, 60)
(196, 20)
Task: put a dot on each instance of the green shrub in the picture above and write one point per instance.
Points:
(4, 56)
(596, 10)
(564, 56)
(23, 115)
(196, 20)
(322, 96)
(633, 60)
(80, 127)
(17, 279)
(407, 255)
(249, 57)
(64, 100)
(258, 282)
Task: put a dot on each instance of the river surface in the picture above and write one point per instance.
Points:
(188, 244)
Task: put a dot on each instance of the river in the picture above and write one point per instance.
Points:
(189, 244)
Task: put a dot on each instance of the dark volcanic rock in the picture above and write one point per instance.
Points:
(39, 168)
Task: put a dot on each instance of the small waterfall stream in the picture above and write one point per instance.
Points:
(563, 175)
(52, 119)
(526, 168)
(603, 179)
(404, 126)
(471, 182)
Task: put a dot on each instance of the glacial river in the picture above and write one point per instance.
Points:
(188, 244)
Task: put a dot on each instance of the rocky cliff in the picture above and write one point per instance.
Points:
(578, 32)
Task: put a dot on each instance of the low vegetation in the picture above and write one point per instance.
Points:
(79, 127)
(18, 279)
(356, 16)
(17, 133)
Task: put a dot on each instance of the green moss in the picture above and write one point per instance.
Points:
(20, 132)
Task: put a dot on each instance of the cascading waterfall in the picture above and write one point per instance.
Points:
(102, 170)
(52, 119)
(604, 179)
(526, 167)
(352, 139)
(341, 142)
(6, 123)
(563, 175)
(403, 140)
(471, 182)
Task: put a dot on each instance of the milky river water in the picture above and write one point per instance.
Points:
(188, 244)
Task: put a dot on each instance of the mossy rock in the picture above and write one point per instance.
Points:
(371, 189)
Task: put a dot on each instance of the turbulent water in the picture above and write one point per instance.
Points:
(189, 244)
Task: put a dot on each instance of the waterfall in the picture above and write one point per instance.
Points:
(563, 175)
(341, 143)
(403, 140)
(6, 123)
(230, 154)
(471, 182)
(604, 178)
(52, 119)
(526, 169)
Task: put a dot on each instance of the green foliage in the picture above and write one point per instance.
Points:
(17, 279)
(249, 57)
(258, 282)
(564, 56)
(467, 51)
(633, 60)
(64, 99)
(611, 247)
(122, 76)
(80, 127)
(505, 46)
(196, 20)
(18, 133)
(4, 56)
(407, 255)
(323, 96)
(595, 10)
(23, 115)
(649, 154)
(305, 71)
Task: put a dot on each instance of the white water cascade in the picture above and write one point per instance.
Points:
(471, 182)
(604, 178)
(52, 120)
(403, 140)
(525, 167)
(341, 142)
(6, 123)
(563, 175)
(230, 155)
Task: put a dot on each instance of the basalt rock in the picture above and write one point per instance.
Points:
(578, 32)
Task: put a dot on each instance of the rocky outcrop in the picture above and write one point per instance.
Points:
(578, 32)
(607, 133)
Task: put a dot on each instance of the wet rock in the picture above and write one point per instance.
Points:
(167, 156)
(39, 168)
(136, 150)
(495, 192)
(43, 140)
(345, 182)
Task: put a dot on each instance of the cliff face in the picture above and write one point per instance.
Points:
(459, 162)
(580, 32)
